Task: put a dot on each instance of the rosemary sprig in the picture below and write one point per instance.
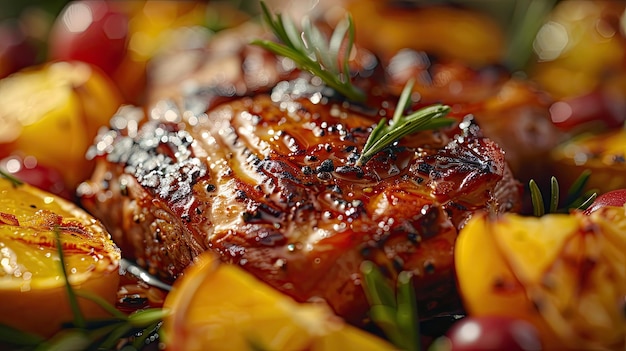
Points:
(312, 51)
(384, 134)
(576, 197)
(395, 315)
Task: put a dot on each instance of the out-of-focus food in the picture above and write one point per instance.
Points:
(226, 67)
(582, 47)
(121, 37)
(17, 50)
(581, 62)
(564, 273)
(92, 32)
(516, 116)
(53, 112)
(596, 110)
(447, 32)
(604, 154)
(32, 285)
(29, 171)
(491, 333)
(153, 27)
(222, 307)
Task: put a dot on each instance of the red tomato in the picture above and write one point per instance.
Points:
(92, 32)
(597, 106)
(611, 198)
(16, 50)
(493, 333)
(28, 170)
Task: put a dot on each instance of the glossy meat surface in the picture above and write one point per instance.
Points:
(269, 183)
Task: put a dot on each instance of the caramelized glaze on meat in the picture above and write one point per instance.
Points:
(269, 183)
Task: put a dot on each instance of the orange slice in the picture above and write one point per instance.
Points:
(32, 286)
(222, 307)
(564, 273)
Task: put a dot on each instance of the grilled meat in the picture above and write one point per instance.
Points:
(269, 182)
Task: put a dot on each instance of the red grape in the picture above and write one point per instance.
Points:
(493, 333)
(611, 198)
(28, 170)
(594, 107)
(92, 32)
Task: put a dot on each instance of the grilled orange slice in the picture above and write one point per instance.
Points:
(604, 154)
(32, 285)
(222, 307)
(562, 272)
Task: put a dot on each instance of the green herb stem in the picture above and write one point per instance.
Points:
(79, 319)
(408, 321)
(395, 314)
(527, 19)
(11, 178)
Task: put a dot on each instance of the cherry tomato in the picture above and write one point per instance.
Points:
(612, 198)
(16, 50)
(493, 333)
(92, 32)
(599, 107)
(29, 171)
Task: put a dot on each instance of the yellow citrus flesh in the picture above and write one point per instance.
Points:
(221, 307)
(575, 55)
(448, 32)
(53, 112)
(602, 154)
(32, 285)
(563, 273)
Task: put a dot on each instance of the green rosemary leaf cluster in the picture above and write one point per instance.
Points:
(396, 314)
(577, 198)
(384, 134)
(312, 51)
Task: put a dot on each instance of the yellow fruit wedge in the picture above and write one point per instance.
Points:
(32, 285)
(53, 112)
(222, 307)
(603, 154)
(564, 273)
